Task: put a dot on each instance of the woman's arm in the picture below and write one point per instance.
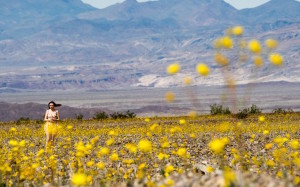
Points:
(57, 115)
(46, 116)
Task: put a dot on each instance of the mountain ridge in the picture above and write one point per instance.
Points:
(85, 50)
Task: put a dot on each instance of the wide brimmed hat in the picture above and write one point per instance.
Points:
(55, 105)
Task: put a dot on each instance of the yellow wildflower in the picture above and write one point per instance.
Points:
(173, 68)
(276, 59)
(271, 43)
(218, 145)
(170, 96)
(294, 144)
(254, 46)
(261, 118)
(209, 169)
(104, 151)
(114, 157)
(221, 59)
(145, 146)
(203, 69)
(187, 80)
(258, 61)
(237, 30)
(268, 146)
(100, 165)
(79, 179)
(181, 152)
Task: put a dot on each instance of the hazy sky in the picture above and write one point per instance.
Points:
(239, 4)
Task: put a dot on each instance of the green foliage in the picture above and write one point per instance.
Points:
(120, 115)
(243, 114)
(218, 109)
(130, 114)
(282, 111)
(255, 110)
(79, 116)
(101, 116)
(22, 120)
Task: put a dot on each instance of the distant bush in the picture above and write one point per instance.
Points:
(255, 110)
(79, 116)
(22, 120)
(130, 114)
(101, 115)
(218, 109)
(120, 115)
(242, 114)
(282, 111)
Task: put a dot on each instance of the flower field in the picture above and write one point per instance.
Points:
(220, 150)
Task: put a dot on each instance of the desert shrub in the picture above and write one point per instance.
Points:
(79, 116)
(282, 111)
(130, 114)
(216, 109)
(243, 114)
(101, 115)
(226, 111)
(254, 110)
(118, 115)
(121, 115)
(22, 120)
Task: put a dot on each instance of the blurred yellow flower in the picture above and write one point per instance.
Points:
(110, 141)
(221, 59)
(142, 166)
(169, 169)
(173, 68)
(270, 163)
(165, 144)
(258, 61)
(187, 80)
(131, 147)
(254, 46)
(104, 151)
(261, 118)
(271, 43)
(145, 145)
(226, 42)
(266, 132)
(100, 165)
(294, 144)
(13, 129)
(209, 169)
(114, 157)
(181, 152)
(153, 127)
(182, 121)
(218, 145)
(79, 179)
(276, 59)
(229, 177)
(90, 163)
(169, 182)
(269, 146)
(203, 69)
(13, 143)
(237, 30)
(170, 96)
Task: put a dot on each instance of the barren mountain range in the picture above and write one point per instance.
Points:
(66, 44)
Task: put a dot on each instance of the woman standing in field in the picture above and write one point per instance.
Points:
(51, 126)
